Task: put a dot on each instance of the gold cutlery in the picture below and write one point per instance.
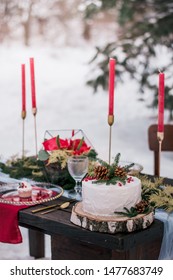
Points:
(49, 207)
(62, 206)
(44, 208)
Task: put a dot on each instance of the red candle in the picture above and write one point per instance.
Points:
(161, 102)
(23, 88)
(32, 83)
(111, 85)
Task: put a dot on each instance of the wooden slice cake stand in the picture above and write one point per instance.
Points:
(111, 224)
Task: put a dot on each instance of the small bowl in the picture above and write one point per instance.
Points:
(134, 170)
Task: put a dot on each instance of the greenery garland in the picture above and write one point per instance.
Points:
(159, 195)
(55, 172)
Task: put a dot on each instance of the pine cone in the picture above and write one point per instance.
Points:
(120, 172)
(141, 206)
(101, 172)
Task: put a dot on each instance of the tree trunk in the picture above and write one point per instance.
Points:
(27, 26)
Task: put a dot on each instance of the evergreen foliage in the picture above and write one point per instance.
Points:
(111, 176)
(158, 195)
(36, 170)
(132, 212)
(145, 30)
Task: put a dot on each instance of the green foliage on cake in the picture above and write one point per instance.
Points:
(143, 207)
(111, 173)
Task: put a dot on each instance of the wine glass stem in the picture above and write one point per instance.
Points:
(78, 188)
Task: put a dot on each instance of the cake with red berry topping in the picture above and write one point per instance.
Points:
(24, 190)
(104, 200)
(110, 190)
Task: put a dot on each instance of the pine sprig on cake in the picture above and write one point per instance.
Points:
(101, 172)
(142, 207)
(111, 174)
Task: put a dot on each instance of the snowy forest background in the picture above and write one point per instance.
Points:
(63, 37)
(63, 40)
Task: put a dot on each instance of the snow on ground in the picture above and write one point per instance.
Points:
(65, 102)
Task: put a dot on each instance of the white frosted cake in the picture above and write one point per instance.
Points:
(24, 190)
(104, 200)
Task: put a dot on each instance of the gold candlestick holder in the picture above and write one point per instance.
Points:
(110, 122)
(34, 112)
(160, 137)
(23, 116)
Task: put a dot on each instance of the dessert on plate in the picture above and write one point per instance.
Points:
(24, 190)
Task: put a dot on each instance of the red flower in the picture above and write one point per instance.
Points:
(50, 145)
(63, 144)
(82, 150)
(55, 144)
(78, 146)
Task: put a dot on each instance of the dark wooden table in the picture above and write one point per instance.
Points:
(69, 241)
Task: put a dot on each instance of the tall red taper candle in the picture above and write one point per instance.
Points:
(23, 88)
(34, 107)
(111, 101)
(161, 94)
(23, 115)
(111, 85)
(33, 93)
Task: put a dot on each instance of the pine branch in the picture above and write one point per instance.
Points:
(116, 160)
(103, 163)
(132, 212)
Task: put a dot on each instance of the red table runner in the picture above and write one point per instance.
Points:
(9, 227)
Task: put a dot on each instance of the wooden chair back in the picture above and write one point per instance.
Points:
(167, 144)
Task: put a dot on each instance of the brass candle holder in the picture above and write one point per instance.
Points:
(110, 122)
(160, 137)
(23, 116)
(34, 112)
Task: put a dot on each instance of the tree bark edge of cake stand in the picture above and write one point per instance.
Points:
(112, 224)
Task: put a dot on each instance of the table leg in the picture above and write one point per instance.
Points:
(36, 244)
